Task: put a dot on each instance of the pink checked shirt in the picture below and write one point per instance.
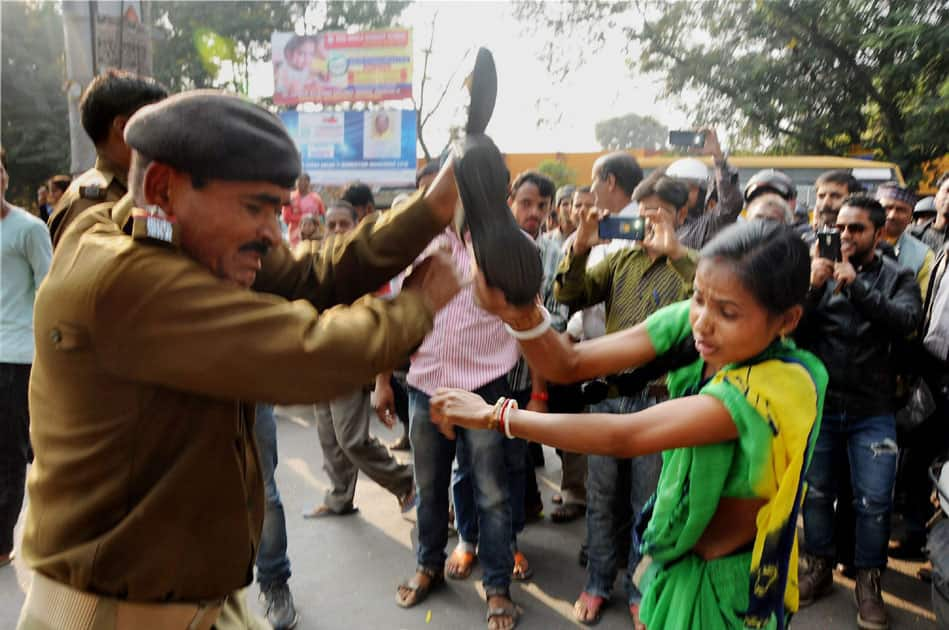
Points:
(467, 348)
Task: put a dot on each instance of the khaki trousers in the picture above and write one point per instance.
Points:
(573, 483)
(343, 427)
(50, 605)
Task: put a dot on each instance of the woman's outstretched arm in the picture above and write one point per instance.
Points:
(682, 422)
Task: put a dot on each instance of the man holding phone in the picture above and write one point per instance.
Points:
(857, 309)
(633, 282)
(830, 190)
(613, 179)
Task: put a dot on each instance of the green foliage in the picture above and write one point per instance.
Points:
(344, 14)
(198, 38)
(797, 76)
(558, 172)
(631, 131)
(573, 32)
(35, 123)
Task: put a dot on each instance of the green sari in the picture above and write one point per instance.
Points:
(775, 400)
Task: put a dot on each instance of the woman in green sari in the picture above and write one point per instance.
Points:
(736, 434)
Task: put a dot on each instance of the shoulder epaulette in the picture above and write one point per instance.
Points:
(93, 192)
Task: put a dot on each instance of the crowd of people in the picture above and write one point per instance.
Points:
(736, 367)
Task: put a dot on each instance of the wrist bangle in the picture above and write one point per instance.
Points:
(541, 396)
(495, 417)
(504, 423)
(532, 333)
(507, 420)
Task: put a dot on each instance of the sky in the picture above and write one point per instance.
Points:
(601, 89)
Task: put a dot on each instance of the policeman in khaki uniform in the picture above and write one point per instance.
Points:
(146, 503)
(105, 107)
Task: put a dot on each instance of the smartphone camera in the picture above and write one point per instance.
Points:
(690, 139)
(628, 228)
(828, 245)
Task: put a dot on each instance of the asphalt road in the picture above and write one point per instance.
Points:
(345, 569)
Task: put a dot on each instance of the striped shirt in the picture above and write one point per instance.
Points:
(590, 322)
(631, 285)
(468, 347)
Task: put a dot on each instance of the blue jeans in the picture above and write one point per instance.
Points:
(869, 445)
(462, 491)
(273, 565)
(603, 504)
(483, 453)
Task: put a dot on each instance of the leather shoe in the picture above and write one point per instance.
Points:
(816, 581)
(871, 611)
(281, 613)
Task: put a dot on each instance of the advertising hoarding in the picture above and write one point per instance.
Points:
(377, 147)
(335, 66)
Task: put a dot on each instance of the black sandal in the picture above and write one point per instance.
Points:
(419, 592)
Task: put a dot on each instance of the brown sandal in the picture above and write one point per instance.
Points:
(417, 591)
(511, 610)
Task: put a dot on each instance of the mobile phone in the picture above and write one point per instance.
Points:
(828, 245)
(629, 228)
(687, 139)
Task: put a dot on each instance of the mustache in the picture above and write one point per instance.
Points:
(261, 247)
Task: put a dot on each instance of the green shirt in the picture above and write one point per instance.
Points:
(632, 285)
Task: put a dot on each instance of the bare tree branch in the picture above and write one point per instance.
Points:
(419, 123)
(451, 77)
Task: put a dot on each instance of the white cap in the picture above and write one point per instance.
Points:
(688, 169)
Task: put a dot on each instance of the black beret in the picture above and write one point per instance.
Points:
(214, 135)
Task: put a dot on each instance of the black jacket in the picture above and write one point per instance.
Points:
(855, 332)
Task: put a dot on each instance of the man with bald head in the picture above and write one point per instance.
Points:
(770, 207)
(146, 501)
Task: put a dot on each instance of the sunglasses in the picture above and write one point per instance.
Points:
(853, 228)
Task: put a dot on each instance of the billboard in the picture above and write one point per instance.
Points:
(376, 147)
(336, 66)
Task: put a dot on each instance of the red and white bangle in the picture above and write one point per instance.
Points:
(504, 418)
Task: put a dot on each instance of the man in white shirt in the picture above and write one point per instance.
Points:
(25, 251)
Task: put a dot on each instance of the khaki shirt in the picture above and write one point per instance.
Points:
(104, 182)
(146, 483)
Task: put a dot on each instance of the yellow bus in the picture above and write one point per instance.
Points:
(802, 169)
